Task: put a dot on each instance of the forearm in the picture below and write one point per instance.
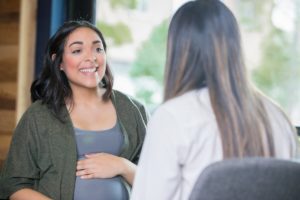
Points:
(28, 194)
(128, 171)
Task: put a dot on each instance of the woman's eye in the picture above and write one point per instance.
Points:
(99, 50)
(76, 51)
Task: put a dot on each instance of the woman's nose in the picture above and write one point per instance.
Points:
(91, 57)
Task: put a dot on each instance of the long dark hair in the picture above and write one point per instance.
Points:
(204, 50)
(52, 86)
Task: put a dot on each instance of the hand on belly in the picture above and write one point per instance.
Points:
(99, 165)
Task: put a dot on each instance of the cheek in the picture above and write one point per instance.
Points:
(102, 70)
(102, 63)
(102, 60)
(69, 63)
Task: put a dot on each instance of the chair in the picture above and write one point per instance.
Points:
(249, 179)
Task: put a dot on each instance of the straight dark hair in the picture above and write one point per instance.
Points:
(52, 86)
(204, 50)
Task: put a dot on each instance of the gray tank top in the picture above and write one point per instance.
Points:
(107, 141)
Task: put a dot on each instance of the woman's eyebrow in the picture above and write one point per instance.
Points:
(79, 42)
(97, 41)
(76, 42)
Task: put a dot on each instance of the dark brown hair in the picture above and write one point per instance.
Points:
(204, 50)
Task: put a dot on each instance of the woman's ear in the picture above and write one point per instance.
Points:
(53, 57)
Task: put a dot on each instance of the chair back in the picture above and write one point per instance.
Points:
(249, 179)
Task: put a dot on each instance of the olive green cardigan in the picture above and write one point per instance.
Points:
(43, 153)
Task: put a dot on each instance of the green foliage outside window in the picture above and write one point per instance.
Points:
(118, 33)
(150, 62)
(250, 15)
(151, 55)
(278, 72)
(131, 4)
(274, 74)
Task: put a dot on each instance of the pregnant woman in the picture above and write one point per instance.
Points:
(80, 139)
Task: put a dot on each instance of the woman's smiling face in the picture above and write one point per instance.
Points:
(83, 57)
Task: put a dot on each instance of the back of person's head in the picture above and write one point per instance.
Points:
(52, 86)
(204, 50)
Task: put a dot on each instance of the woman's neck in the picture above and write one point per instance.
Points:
(86, 97)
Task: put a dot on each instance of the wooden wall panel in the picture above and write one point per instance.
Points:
(4, 145)
(9, 6)
(7, 121)
(27, 54)
(10, 31)
(9, 56)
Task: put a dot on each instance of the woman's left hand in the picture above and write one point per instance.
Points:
(103, 165)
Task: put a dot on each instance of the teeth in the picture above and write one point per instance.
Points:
(88, 70)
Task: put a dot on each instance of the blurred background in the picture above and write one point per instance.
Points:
(136, 32)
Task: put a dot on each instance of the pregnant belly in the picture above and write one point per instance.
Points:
(96, 189)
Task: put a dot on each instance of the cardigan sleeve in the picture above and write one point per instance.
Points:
(20, 169)
(144, 112)
(142, 126)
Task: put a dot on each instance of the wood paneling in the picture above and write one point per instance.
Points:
(9, 32)
(8, 93)
(7, 103)
(26, 55)
(8, 70)
(9, 6)
(17, 42)
(7, 120)
(9, 21)
(8, 89)
(8, 62)
(9, 50)
(4, 145)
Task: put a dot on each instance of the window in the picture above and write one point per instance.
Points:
(136, 32)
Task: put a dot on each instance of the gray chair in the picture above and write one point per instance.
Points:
(249, 179)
